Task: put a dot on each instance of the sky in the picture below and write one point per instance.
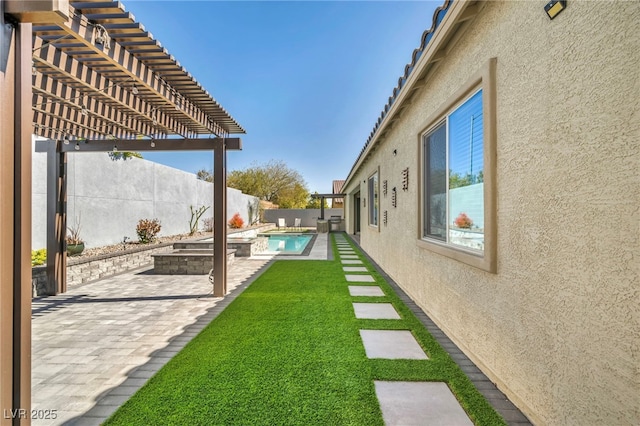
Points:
(307, 80)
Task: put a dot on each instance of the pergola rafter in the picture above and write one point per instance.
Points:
(134, 62)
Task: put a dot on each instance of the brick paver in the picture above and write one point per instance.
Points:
(95, 345)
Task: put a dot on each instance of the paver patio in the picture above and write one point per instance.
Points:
(90, 340)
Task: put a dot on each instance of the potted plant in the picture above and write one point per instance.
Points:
(75, 245)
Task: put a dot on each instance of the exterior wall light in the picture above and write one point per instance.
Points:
(101, 37)
(554, 7)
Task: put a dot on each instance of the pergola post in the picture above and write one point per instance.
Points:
(15, 219)
(220, 218)
(56, 219)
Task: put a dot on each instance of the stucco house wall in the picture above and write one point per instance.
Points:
(557, 325)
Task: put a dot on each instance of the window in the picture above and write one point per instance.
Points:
(453, 173)
(457, 198)
(374, 199)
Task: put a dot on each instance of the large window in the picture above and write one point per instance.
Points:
(454, 175)
(374, 200)
(457, 147)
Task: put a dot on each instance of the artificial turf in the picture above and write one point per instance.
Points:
(288, 351)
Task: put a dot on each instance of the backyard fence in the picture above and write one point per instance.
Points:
(108, 198)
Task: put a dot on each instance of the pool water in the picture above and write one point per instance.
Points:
(289, 244)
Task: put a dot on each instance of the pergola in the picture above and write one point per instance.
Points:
(322, 198)
(88, 77)
(101, 82)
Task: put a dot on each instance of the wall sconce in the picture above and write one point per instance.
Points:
(395, 152)
(405, 179)
(101, 38)
(554, 7)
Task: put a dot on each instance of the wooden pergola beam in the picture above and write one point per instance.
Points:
(198, 144)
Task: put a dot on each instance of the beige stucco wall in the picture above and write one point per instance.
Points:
(558, 326)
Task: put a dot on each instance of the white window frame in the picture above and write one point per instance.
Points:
(483, 80)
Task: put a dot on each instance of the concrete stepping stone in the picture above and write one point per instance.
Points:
(349, 256)
(391, 344)
(354, 269)
(365, 290)
(375, 311)
(351, 262)
(362, 278)
(419, 403)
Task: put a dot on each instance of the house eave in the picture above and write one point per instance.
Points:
(458, 13)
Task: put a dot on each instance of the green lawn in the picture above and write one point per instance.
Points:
(288, 351)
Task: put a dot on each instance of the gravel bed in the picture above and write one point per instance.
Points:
(114, 248)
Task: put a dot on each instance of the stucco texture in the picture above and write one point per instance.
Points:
(558, 325)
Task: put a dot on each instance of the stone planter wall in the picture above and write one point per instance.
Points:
(83, 270)
(247, 247)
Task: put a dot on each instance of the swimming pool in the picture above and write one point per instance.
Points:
(288, 243)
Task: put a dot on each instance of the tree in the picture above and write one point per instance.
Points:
(205, 175)
(274, 182)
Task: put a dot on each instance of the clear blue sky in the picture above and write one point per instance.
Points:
(306, 80)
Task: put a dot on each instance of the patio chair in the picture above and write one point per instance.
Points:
(297, 223)
(282, 223)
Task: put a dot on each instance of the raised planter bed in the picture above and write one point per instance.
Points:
(85, 269)
(187, 262)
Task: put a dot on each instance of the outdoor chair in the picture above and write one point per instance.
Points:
(297, 223)
(282, 224)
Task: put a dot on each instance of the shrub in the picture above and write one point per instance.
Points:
(207, 224)
(236, 221)
(38, 257)
(463, 221)
(195, 217)
(147, 230)
(73, 237)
